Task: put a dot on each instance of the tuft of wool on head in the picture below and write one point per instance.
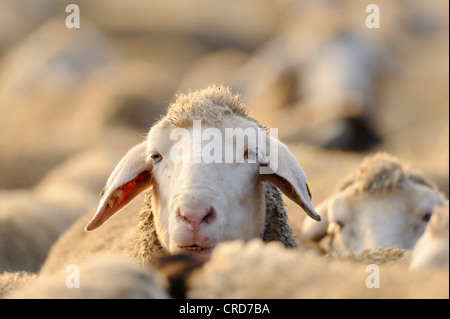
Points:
(379, 255)
(208, 105)
(382, 172)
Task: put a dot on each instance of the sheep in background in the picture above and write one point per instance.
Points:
(319, 78)
(268, 270)
(38, 74)
(32, 220)
(191, 207)
(238, 269)
(97, 278)
(30, 225)
(432, 248)
(381, 204)
(53, 63)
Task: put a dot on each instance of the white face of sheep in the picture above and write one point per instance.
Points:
(198, 201)
(394, 218)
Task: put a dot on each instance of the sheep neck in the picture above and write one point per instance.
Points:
(146, 244)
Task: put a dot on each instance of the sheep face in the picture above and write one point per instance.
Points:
(397, 218)
(197, 203)
(206, 185)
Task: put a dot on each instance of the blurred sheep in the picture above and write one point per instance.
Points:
(321, 76)
(68, 88)
(257, 270)
(108, 277)
(32, 220)
(383, 203)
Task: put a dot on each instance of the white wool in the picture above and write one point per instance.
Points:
(257, 270)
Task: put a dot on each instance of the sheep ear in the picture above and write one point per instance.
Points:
(334, 210)
(316, 231)
(281, 169)
(131, 176)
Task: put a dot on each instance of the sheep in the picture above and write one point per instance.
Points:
(192, 205)
(321, 73)
(432, 248)
(382, 204)
(111, 277)
(60, 65)
(31, 220)
(268, 270)
(239, 269)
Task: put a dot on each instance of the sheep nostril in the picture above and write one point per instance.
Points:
(210, 216)
(196, 217)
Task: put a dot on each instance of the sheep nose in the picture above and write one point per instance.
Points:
(196, 217)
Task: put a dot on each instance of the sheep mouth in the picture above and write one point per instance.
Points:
(195, 249)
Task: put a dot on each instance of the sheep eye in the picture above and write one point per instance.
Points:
(156, 157)
(426, 218)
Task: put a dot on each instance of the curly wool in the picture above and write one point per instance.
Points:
(277, 227)
(147, 244)
(379, 256)
(208, 105)
(382, 172)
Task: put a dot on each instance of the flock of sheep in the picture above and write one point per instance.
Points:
(373, 227)
(230, 211)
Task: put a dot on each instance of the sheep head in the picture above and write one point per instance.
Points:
(206, 161)
(381, 204)
(432, 249)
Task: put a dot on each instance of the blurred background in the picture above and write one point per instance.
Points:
(72, 101)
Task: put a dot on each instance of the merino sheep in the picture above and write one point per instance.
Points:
(432, 249)
(382, 204)
(193, 205)
(100, 277)
(267, 270)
